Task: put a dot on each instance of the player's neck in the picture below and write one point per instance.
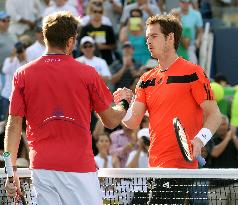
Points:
(167, 61)
(52, 50)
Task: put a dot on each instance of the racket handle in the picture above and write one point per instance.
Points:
(201, 160)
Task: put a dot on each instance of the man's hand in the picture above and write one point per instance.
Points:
(197, 146)
(123, 93)
(13, 187)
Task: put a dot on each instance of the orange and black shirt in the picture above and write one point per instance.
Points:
(177, 92)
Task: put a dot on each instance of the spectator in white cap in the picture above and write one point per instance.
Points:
(87, 47)
(139, 158)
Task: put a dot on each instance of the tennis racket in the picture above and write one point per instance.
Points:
(184, 143)
(19, 199)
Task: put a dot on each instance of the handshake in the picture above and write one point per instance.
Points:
(123, 94)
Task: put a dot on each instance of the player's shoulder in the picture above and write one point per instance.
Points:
(188, 66)
(190, 69)
(28, 66)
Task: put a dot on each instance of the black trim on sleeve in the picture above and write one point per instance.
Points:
(207, 91)
(182, 79)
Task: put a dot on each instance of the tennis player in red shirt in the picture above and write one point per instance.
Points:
(57, 94)
(175, 88)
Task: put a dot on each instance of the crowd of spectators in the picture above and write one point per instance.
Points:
(112, 39)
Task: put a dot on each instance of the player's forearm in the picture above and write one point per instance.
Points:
(13, 136)
(213, 122)
(212, 119)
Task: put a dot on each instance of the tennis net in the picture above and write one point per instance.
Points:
(170, 186)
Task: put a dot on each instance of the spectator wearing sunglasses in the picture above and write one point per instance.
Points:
(87, 47)
(102, 34)
(85, 20)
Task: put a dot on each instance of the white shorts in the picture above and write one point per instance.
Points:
(66, 188)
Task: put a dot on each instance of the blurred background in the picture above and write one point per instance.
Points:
(111, 38)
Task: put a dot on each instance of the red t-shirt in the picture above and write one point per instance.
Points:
(178, 92)
(56, 94)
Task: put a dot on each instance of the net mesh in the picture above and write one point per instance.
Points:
(159, 186)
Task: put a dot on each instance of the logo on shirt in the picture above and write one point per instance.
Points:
(145, 84)
(52, 60)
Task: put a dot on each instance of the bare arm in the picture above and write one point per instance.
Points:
(115, 162)
(123, 34)
(185, 42)
(13, 136)
(212, 121)
(138, 110)
(212, 115)
(199, 36)
(112, 116)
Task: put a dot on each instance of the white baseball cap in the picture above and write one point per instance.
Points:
(143, 132)
(86, 39)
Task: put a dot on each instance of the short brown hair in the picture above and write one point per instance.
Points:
(59, 27)
(168, 24)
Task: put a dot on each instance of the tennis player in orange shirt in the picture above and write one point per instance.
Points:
(175, 88)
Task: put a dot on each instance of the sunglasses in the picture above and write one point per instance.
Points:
(97, 11)
(88, 46)
(96, 3)
(5, 20)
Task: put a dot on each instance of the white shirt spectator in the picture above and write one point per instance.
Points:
(22, 9)
(98, 63)
(100, 161)
(143, 159)
(9, 68)
(35, 51)
(86, 19)
(65, 7)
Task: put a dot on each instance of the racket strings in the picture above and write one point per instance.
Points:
(184, 141)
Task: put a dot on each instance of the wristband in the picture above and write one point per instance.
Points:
(128, 114)
(14, 168)
(204, 135)
(124, 104)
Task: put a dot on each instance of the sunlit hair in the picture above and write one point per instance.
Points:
(59, 27)
(168, 24)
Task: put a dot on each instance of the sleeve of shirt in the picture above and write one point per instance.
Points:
(140, 92)
(201, 89)
(199, 22)
(17, 105)
(101, 97)
(105, 69)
